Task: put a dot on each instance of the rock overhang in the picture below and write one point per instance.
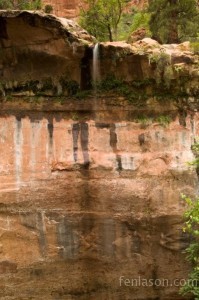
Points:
(36, 46)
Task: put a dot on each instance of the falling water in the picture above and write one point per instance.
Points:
(96, 74)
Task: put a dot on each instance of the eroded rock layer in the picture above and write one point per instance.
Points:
(84, 202)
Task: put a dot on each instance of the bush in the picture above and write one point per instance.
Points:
(192, 227)
(195, 47)
(48, 9)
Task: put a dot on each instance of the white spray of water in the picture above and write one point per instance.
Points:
(96, 72)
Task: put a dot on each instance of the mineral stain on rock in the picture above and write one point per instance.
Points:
(42, 232)
(141, 139)
(84, 137)
(75, 133)
(67, 238)
(50, 132)
(7, 266)
(113, 144)
(50, 127)
(81, 130)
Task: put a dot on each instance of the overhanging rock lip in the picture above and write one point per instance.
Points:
(68, 28)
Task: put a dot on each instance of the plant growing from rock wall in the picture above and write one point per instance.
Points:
(195, 149)
(192, 227)
(164, 70)
(164, 120)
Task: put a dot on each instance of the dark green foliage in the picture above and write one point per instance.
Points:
(48, 9)
(192, 227)
(109, 83)
(173, 21)
(47, 84)
(130, 91)
(109, 20)
(83, 94)
(20, 4)
(72, 87)
(164, 120)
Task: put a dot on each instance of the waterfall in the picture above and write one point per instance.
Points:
(96, 73)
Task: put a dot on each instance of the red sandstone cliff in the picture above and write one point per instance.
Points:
(64, 8)
(70, 8)
(90, 186)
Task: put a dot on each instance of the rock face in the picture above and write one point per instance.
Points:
(71, 8)
(86, 202)
(35, 46)
(137, 35)
(64, 8)
(90, 186)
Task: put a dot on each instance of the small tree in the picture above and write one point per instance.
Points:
(101, 17)
(20, 4)
(173, 20)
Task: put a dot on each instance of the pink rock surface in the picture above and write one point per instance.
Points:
(121, 214)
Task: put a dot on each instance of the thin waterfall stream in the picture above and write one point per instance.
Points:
(96, 77)
(96, 66)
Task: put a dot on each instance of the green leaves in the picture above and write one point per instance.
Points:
(192, 227)
(20, 4)
(141, 19)
(102, 17)
(173, 21)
